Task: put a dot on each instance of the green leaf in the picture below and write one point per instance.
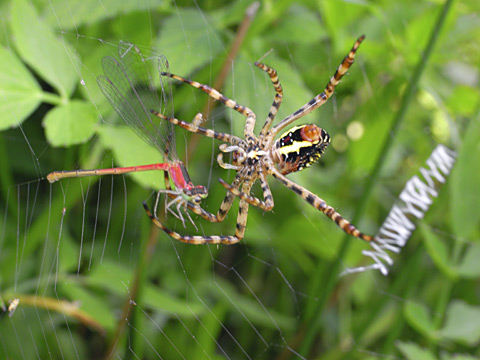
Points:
(249, 307)
(462, 324)
(438, 251)
(445, 356)
(130, 150)
(212, 322)
(41, 50)
(465, 182)
(418, 317)
(20, 94)
(73, 123)
(89, 302)
(469, 265)
(70, 15)
(311, 237)
(68, 253)
(289, 30)
(384, 321)
(113, 277)
(339, 15)
(157, 299)
(463, 100)
(414, 352)
(183, 37)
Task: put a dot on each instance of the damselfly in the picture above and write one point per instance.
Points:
(134, 93)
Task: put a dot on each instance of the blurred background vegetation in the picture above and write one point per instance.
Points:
(96, 279)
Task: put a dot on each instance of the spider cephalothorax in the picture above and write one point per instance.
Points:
(295, 150)
(255, 157)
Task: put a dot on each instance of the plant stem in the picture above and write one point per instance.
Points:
(312, 320)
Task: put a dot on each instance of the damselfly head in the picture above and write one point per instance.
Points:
(196, 194)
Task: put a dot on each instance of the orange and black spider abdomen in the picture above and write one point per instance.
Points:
(299, 147)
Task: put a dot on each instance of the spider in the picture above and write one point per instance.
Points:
(256, 157)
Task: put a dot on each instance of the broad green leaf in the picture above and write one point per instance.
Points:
(20, 94)
(110, 276)
(416, 34)
(130, 150)
(249, 307)
(183, 38)
(415, 352)
(465, 182)
(463, 100)
(70, 15)
(212, 322)
(445, 356)
(385, 319)
(438, 251)
(339, 14)
(316, 237)
(70, 124)
(289, 30)
(469, 265)
(462, 324)
(157, 299)
(41, 50)
(113, 277)
(363, 287)
(89, 302)
(418, 317)
(68, 253)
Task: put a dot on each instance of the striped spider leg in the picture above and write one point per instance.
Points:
(226, 204)
(256, 157)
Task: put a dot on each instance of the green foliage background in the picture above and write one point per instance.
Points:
(277, 294)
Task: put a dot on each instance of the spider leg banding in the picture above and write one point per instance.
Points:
(256, 157)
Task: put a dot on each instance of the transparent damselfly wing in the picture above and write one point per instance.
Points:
(133, 86)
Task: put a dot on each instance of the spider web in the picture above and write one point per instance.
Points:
(93, 276)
